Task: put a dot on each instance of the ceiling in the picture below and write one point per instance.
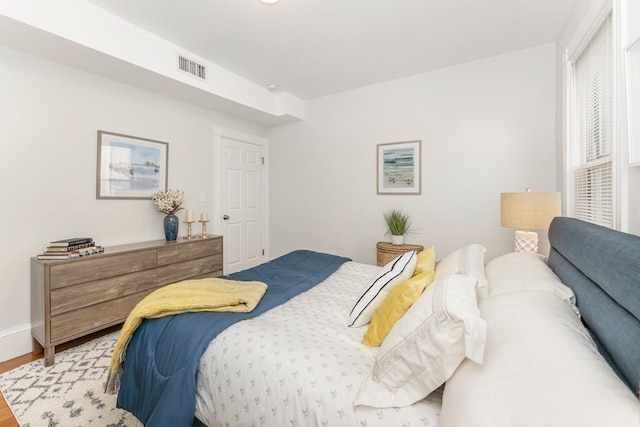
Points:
(314, 48)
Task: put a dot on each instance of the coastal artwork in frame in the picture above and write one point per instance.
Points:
(130, 167)
(399, 168)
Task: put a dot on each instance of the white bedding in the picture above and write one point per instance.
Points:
(299, 365)
(541, 368)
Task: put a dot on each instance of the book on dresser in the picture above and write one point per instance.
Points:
(70, 248)
(71, 253)
(71, 242)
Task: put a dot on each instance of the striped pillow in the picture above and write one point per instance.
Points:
(392, 274)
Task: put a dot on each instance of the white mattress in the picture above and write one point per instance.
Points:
(299, 365)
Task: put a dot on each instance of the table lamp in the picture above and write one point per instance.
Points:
(528, 210)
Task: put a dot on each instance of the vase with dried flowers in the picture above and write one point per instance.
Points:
(169, 202)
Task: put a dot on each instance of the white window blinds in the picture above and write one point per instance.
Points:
(592, 139)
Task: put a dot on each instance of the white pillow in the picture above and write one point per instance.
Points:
(372, 295)
(524, 271)
(426, 345)
(540, 369)
(469, 261)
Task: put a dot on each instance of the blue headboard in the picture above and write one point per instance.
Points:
(602, 266)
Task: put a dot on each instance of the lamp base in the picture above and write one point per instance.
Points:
(526, 241)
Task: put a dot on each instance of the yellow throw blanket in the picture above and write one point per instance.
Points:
(182, 297)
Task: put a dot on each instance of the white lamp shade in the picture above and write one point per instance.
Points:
(529, 210)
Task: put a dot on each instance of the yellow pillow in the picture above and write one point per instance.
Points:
(394, 306)
(426, 261)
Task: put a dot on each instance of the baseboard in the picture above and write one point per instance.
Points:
(15, 342)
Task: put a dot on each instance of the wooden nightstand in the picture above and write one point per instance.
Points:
(387, 252)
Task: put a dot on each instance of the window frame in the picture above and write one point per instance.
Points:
(599, 12)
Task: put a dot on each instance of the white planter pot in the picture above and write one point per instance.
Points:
(397, 240)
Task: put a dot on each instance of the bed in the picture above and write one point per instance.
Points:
(520, 340)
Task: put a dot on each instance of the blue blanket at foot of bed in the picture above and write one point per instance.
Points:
(159, 380)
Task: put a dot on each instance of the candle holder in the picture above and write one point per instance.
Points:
(188, 236)
(204, 228)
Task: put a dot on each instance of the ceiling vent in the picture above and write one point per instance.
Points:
(192, 68)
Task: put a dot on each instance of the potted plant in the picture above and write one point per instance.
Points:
(398, 224)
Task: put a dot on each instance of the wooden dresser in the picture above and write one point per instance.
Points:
(73, 298)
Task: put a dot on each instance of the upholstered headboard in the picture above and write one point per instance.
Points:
(602, 266)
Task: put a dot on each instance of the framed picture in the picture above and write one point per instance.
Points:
(633, 101)
(399, 168)
(130, 167)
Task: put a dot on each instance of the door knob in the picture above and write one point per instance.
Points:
(225, 217)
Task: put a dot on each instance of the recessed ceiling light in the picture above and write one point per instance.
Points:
(272, 87)
(269, 1)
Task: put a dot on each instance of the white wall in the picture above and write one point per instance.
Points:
(49, 117)
(486, 127)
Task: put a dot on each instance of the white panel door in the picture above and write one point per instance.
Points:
(242, 205)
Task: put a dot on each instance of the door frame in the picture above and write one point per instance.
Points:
(218, 134)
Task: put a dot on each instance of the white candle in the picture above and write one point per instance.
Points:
(189, 215)
(203, 216)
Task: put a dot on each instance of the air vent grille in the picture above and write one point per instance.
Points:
(191, 67)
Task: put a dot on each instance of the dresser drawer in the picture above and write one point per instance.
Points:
(82, 321)
(172, 254)
(202, 267)
(85, 269)
(78, 296)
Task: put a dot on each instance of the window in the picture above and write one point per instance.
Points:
(591, 124)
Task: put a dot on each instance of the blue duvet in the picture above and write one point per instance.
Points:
(159, 380)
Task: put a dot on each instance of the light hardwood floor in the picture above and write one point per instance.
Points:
(6, 416)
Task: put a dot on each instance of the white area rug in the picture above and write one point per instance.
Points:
(69, 393)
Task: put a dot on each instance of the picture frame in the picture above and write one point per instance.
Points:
(130, 167)
(399, 168)
(632, 54)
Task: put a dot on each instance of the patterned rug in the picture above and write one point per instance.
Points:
(69, 393)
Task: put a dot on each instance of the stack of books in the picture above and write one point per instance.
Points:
(74, 247)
